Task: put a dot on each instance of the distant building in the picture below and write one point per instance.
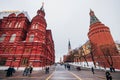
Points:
(65, 57)
(24, 42)
(118, 47)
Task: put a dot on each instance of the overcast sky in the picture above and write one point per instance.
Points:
(69, 19)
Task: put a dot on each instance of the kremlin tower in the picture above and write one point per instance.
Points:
(103, 46)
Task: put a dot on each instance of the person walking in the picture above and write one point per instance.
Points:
(26, 71)
(12, 70)
(108, 75)
(8, 73)
(48, 69)
(65, 66)
(31, 69)
(68, 66)
(92, 69)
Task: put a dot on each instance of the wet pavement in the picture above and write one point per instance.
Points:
(59, 72)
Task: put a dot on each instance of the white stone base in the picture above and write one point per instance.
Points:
(4, 67)
(21, 68)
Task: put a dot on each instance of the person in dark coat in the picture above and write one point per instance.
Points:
(8, 73)
(26, 71)
(68, 66)
(108, 75)
(31, 69)
(78, 68)
(92, 69)
(12, 70)
(47, 70)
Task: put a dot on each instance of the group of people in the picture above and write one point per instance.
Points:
(67, 66)
(10, 71)
(27, 71)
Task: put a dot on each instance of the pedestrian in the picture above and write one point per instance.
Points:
(112, 69)
(12, 70)
(31, 69)
(92, 69)
(65, 66)
(108, 75)
(78, 68)
(8, 73)
(26, 71)
(46, 70)
(68, 66)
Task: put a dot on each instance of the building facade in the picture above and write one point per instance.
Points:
(24, 42)
(103, 47)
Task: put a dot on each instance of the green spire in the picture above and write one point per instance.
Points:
(93, 18)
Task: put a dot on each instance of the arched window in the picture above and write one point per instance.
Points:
(35, 26)
(12, 38)
(31, 38)
(2, 37)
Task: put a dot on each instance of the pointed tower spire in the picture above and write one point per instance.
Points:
(41, 11)
(42, 6)
(93, 18)
(69, 46)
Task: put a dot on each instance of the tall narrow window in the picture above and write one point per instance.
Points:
(36, 26)
(7, 25)
(33, 26)
(24, 61)
(2, 37)
(3, 61)
(19, 25)
(31, 38)
(12, 38)
(16, 25)
(10, 25)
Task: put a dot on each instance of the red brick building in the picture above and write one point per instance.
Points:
(104, 50)
(24, 42)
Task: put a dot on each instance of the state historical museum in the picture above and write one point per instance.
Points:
(24, 42)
